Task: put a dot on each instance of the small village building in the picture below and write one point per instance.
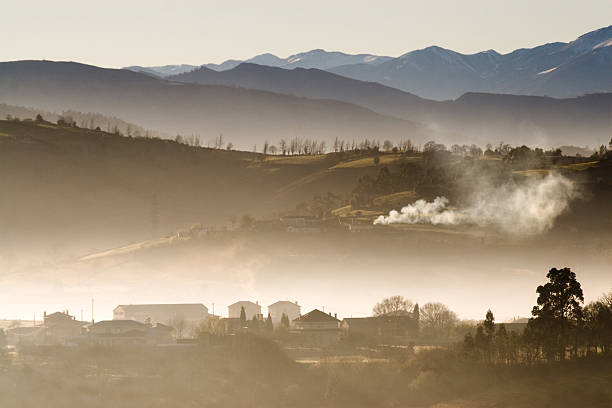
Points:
(396, 328)
(316, 328)
(191, 314)
(277, 309)
(26, 336)
(129, 333)
(60, 328)
(251, 309)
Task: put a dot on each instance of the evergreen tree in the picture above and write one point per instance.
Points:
(243, 319)
(416, 315)
(480, 341)
(489, 324)
(254, 324)
(501, 343)
(269, 324)
(284, 323)
(468, 343)
(489, 331)
(559, 312)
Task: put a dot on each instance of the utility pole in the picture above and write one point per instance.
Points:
(92, 311)
(213, 308)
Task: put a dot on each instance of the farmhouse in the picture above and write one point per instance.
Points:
(316, 328)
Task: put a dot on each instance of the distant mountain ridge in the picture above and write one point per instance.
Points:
(477, 117)
(318, 58)
(255, 103)
(243, 116)
(556, 69)
(163, 70)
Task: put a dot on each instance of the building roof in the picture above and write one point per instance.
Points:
(129, 333)
(315, 316)
(59, 314)
(118, 323)
(283, 302)
(388, 318)
(164, 307)
(25, 331)
(61, 320)
(244, 303)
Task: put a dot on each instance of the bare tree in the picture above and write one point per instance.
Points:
(392, 305)
(437, 318)
(179, 324)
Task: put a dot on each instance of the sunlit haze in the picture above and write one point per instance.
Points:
(119, 33)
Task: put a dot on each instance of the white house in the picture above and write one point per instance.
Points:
(251, 309)
(291, 309)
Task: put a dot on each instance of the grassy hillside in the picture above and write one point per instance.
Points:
(60, 186)
(71, 191)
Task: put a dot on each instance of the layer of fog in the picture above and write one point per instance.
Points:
(529, 207)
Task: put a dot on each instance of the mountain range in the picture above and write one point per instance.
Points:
(477, 117)
(556, 69)
(320, 59)
(243, 116)
(252, 103)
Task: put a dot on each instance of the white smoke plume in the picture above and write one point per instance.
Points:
(530, 207)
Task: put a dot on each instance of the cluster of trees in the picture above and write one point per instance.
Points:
(89, 120)
(603, 151)
(435, 320)
(406, 175)
(305, 146)
(256, 325)
(321, 205)
(296, 146)
(560, 327)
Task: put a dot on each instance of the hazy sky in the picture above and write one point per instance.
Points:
(134, 32)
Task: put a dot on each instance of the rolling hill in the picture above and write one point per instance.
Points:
(474, 117)
(78, 190)
(244, 117)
